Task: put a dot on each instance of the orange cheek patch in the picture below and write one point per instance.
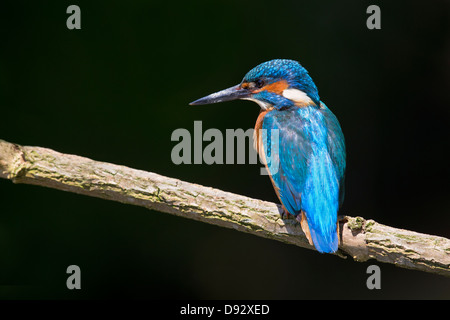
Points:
(276, 87)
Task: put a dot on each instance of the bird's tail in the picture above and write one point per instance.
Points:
(325, 243)
(320, 201)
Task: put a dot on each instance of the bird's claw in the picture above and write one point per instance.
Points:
(285, 214)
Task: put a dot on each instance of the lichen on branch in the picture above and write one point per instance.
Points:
(359, 238)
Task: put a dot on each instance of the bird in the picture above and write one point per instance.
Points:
(307, 165)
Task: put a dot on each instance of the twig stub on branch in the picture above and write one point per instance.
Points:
(361, 239)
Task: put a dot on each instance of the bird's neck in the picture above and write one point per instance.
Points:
(298, 97)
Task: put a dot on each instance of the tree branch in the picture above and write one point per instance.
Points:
(361, 239)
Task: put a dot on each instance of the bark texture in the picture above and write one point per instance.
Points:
(360, 238)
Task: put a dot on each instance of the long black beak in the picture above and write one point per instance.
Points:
(233, 93)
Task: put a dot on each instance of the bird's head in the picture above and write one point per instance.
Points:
(276, 84)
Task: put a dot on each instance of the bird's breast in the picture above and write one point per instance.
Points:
(257, 136)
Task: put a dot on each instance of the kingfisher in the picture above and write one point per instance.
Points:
(310, 158)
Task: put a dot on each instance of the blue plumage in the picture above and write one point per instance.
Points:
(311, 168)
(289, 70)
(302, 142)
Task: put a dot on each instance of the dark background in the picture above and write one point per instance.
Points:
(115, 91)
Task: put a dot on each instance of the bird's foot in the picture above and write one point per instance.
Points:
(284, 213)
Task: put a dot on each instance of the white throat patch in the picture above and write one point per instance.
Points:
(297, 96)
(264, 105)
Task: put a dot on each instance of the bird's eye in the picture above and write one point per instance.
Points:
(259, 83)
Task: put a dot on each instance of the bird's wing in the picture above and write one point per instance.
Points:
(336, 148)
(286, 157)
(303, 169)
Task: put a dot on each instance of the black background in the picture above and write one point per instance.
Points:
(115, 91)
